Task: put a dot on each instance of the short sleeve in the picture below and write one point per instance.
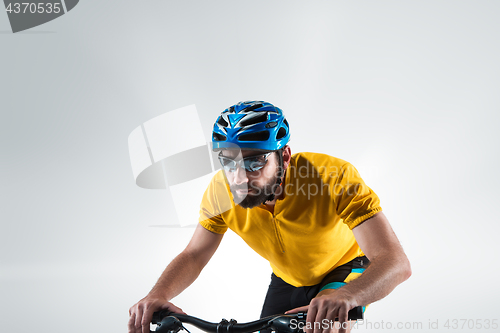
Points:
(214, 203)
(355, 201)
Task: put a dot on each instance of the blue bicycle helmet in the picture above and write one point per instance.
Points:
(255, 125)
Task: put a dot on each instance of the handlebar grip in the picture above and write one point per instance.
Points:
(355, 313)
(159, 315)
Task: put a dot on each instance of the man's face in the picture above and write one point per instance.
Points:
(251, 189)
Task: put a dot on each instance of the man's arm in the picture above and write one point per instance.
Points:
(388, 267)
(178, 275)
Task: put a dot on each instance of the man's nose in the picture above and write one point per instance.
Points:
(240, 175)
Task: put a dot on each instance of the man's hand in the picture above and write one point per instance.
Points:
(328, 304)
(388, 267)
(178, 275)
(142, 313)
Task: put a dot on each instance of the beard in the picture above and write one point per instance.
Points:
(257, 196)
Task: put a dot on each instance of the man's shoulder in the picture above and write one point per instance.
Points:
(304, 159)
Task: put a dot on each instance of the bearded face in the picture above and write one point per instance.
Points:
(250, 195)
(251, 189)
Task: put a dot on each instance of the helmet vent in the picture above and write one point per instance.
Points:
(222, 122)
(254, 120)
(219, 137)
(253, 107)
(281, 133)
(258, 136)
(286, 123)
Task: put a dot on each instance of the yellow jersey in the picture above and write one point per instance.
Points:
(310, 232)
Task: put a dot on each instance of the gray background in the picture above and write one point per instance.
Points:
(405, 90)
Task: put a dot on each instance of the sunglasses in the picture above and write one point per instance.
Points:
(250, 163)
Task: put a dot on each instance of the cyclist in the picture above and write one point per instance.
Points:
(310, 215)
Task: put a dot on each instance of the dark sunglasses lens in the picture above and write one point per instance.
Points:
(254, 165)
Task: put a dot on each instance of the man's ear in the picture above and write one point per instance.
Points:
(287, 156)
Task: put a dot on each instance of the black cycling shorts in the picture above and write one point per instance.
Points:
(282, 296)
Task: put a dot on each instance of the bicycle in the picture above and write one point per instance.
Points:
(170, 322)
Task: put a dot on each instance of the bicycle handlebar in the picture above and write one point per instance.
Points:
(170, 322)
